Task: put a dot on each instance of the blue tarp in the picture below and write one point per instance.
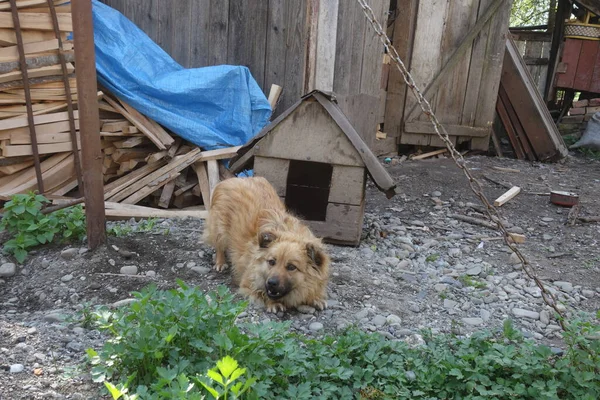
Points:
(212, 107)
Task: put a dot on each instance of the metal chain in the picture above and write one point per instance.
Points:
(490, 210)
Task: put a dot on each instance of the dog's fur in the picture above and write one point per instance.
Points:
(275, 258)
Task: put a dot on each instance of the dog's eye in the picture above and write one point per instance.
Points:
(291, 267)
(271, 262)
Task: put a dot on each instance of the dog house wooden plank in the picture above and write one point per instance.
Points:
(343, 224)
(275, 170)
(309, 134)
(347, 185)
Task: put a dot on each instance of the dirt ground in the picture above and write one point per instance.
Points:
(395, 274)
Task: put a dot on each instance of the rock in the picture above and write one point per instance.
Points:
(564, 286)
(69, 254)
(315, 326)
(304, 309)
(449, 304)
(367, 252)
(474, 271)
(437, 193)
(417, 222)
(410, 375)
(514, 259)
(151, 273)
(547, 219)
(454, 252)
(415, 308)
(485, 314)
(545, 317)
(473, 321)
(393, 319)
(129, 270)
(123, 302)
(587, 293)
(7, 270)
(53, 317)
(379, 320)
(362, 314)
(76, 346)
(67, 278)
(16, 368)
(201, 270)
(521, 313)
(547, 237)
(391, 261)
(190, 264)
(32, 331)
(440, 287)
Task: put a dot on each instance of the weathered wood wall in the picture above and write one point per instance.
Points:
(300, 45)
(535, 50)
(454, 50)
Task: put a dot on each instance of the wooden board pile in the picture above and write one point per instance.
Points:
(48, 96)
(579, 115)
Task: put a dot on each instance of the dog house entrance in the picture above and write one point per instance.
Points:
(307, 189)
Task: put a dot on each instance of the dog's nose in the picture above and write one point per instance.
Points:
(272, 282)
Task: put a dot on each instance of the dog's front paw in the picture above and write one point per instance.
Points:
(220, 267)
(275, 307)
(320, 304)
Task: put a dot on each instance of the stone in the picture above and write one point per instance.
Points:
(129, 270)
(391, 261)
(32, 331)
(485, 314)
(547, 219)
(315, 326)
(16, 368)
(564, 286)
(367, 252)
(201, 270)
(454, 252)
(473, 321)
(151, 273)
(545, 317)
(7, 270)
(440, 287)
(362, 314)
(379, 320)
(53, 317)
(304, 309)
(474, 271)
(587, 293)
(67, 278)
(514, 259)
(449, 304)
(122, 303)
(393, 319)
(521, 313)
(69, 254)
(410, 375)
(547, 237)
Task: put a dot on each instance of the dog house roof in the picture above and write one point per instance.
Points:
(378, 174)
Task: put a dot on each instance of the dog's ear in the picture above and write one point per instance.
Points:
(316, 254)
(265, 239)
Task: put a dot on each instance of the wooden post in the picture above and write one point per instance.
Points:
(89, 121)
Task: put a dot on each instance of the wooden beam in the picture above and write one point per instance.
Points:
(40, 21)
(423, 127)
(87, 89)
(507, 196)
(200, 169)
(212, 169)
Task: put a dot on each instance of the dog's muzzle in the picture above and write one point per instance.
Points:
(275, 289)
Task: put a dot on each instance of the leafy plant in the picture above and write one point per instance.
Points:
(162, 345)
(469, 281)
(29, 227)
(225, 374)
(125, 229)
(432, 257)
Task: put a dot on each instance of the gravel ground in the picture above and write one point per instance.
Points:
(416, 267)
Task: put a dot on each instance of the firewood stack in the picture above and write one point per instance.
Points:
(142, 162)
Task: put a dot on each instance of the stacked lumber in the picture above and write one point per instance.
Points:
(579, 115)
(47, 92)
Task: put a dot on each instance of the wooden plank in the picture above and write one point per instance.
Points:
(507, 196)
(11, 53)
(325, 44)
(14, 168)
(115, 126)
(41, 119)
(530, 107)
(200, 169)
(37, 21)
(295, 36)
(26, 149)
(510, 129)
(129, 179)
(120, 155)
(276, 43)
(452, 130)
(595, 84)
(175, 29)
(199, 38)
(586, 64)
(36, 73)
(404, 28)
(218, 31)
(8, 37)
(6, 6)
(212, 170)
(275, 170)
(247, 36)
(128, 211)
(144, 13)
(343, 224)
(429, 154)
(569, 61)
(347, 185)
(520, 141)
(55, 170)
(45, 133)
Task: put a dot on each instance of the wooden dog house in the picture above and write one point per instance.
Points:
(318, 164)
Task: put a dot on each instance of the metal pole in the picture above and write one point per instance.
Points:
(89, 121)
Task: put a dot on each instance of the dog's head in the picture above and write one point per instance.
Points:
(291, 263)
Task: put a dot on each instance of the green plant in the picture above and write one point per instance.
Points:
(162, 345)
(432, 257)
(469, 281)
(124, 229)
(29, 227)
(225, 374)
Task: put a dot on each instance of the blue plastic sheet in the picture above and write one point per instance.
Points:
(212, 107)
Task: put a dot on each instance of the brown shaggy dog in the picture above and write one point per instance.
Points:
(275, 258)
